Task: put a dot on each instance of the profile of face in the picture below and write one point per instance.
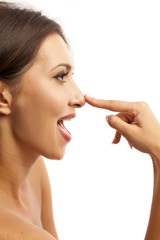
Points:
(48, 95)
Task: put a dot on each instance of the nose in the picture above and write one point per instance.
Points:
(76, 98)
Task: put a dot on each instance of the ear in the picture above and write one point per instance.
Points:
(5, 99)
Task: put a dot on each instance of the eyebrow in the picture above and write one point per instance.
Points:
(68, 66)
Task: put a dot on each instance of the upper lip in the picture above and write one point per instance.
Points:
(72, 115)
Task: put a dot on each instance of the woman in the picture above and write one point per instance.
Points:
(38, 94)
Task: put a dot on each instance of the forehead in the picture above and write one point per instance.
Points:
(54, 51)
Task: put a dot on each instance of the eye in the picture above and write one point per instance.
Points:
(60, 76)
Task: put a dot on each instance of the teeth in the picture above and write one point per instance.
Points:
(68, 119)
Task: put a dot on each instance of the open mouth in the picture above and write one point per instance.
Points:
(61, 123)
(63, 130)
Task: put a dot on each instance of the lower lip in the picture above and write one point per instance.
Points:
(65, 133)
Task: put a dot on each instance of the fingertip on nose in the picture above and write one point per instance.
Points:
(83, 101)
(86, 95)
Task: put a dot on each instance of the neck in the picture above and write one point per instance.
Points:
(14, 173)
(16, 163)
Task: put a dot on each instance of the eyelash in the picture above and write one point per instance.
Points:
(61, 75)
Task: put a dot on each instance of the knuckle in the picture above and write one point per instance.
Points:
(142, 105)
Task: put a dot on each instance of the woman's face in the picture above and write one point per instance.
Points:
(49, 93)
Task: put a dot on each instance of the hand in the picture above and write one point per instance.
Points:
(135, 121)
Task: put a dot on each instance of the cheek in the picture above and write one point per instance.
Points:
(34, 120)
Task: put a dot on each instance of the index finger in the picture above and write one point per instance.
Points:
(112, 105)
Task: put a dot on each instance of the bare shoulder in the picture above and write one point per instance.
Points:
(13, 226)
(16, 228)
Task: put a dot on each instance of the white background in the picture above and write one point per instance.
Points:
(102, 191)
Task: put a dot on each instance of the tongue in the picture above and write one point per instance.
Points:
(64, 128)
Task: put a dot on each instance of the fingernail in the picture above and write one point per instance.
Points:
(107, 117)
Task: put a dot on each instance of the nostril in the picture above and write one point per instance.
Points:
(78, 105)
(77, 100)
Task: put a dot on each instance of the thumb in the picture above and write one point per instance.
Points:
(124, 128)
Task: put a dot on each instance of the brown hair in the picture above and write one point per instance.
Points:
(22, 32)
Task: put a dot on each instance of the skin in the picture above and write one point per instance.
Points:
(28, 127)
(136, 122)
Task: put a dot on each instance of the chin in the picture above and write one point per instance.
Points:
(58, 155)
(59, 158)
